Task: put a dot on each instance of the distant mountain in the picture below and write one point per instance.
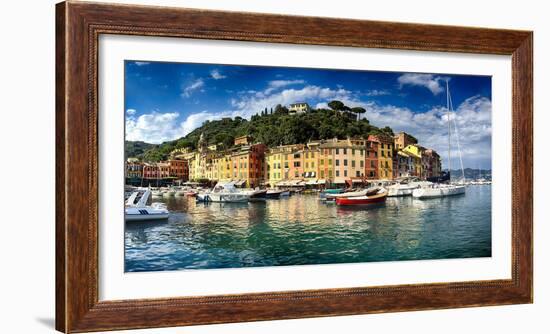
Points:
(472, 174)
(277, 127)
(137, 148)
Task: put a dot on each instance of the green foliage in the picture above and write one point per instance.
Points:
(336, 105)
(272, 129)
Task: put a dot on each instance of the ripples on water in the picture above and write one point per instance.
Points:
(303, 230)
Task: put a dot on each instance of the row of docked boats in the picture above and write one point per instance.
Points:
(378, 194)
(174, 191)
(228, 193)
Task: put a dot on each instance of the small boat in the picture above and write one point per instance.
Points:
(258, 194)
(276, 194)
(333, 191)
(140, 211)
(377, 198)
(363, 192)
(191, 193)
(156, 193)
(224, 193)
(170, 192)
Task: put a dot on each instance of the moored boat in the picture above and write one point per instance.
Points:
(140, 211)
(439, 190)
(224, 193)
(378, 198)
(276, 194)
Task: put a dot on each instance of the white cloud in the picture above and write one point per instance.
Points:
(429, 81)
(377, 92)
(141, 63)
(216, 75)
(277, 84)
(130, 111)
(195, 85)
(473, 121)
(152, 128)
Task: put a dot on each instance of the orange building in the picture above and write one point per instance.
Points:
(179, 169)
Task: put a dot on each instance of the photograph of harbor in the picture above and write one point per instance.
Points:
(234, 166)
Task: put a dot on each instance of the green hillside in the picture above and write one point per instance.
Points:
(274, 127)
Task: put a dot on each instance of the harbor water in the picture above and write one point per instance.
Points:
(302, 230)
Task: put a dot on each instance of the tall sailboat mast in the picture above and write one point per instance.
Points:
(449, 129)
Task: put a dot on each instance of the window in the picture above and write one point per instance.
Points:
(361, 164)
(330, 173)
(322, 162)
(352, 151)
(337, 173)
(296, 155)
(345, 162)
(286, 164)
(307, 164)
(312, 164)
(357, 174)
(295, 173)
(353, 164)
(382, 153)
(322, 173)
(330, 162)
(345, 151)
(375, 154)
(337, 162)
(296, 163)
(337, 151)
(345, 173)
(361, 152)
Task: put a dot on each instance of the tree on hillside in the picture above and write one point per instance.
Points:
(279, 109)
(358, 111)
(336, 105)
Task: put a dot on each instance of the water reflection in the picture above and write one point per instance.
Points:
(303, 230)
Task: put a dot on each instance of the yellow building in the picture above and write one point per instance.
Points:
(416, 152)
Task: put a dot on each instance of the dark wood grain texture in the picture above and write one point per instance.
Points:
(78, 27)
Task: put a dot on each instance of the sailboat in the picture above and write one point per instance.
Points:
(439, 189)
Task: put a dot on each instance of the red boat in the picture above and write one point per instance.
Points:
(363, 200)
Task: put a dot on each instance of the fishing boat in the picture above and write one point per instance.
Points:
(439, 189)
(377, 198)
(140, 211)
(224, 193)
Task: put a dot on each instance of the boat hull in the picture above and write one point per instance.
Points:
(223, 198)
(145, 217)
(424, 193)
(361, 200)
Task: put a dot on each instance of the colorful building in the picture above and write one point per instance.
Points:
(402, 140)
(348, 157)
(415, 152)
(179, 169)
(385, 155)
(371, 160)
(433, 164)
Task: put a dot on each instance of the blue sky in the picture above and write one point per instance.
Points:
(165, 101)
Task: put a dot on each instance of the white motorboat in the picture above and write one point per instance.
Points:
(140, 211)
(225, 193)
(450, 189)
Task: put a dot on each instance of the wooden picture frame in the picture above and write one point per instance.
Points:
(78, 26)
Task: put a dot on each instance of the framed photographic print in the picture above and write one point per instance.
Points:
(221, 167)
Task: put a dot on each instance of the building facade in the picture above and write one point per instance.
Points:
(298, 108)
(385, 155)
